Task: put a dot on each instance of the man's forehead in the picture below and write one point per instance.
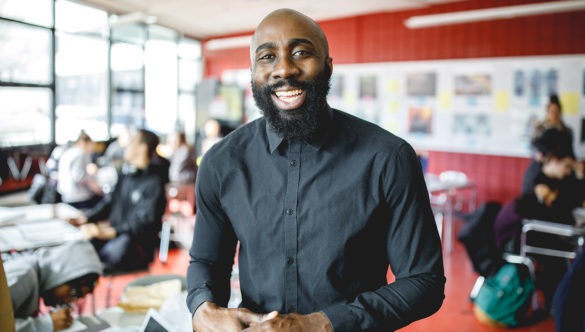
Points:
(285, 33)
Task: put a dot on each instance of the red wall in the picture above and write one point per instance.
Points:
(383, 38)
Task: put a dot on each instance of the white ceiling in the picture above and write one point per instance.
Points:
(208, 18)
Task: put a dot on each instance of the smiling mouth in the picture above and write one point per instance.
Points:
(289, 99)
(289, 96)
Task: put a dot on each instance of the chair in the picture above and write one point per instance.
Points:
(111, 273)
(177, 223)
(573, 236)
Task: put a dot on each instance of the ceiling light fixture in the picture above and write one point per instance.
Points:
(135, 17)
(227, 43)
(424, 21)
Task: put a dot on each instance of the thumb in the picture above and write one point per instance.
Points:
(264, 317)
(268, 316)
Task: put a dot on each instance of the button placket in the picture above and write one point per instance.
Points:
(290, 226)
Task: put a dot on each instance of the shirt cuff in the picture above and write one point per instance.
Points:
(342, 318)
(198, 300)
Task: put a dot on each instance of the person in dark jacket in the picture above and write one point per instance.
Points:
(124, 227)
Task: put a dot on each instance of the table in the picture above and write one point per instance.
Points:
(444, 194)
(31, 227)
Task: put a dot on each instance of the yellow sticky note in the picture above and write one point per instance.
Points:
(393, 106)
(570, 102)
(502, 101)
(445, 99)
(393, 86)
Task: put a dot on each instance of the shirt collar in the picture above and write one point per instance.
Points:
(274, 140)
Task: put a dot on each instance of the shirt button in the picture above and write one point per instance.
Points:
(289, 211)
(293, 163)
(290, 261)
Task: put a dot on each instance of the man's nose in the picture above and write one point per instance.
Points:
(285, 67)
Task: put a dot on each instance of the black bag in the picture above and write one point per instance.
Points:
(477, 235)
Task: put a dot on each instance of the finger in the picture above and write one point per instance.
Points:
(264, 317)
(270, 315)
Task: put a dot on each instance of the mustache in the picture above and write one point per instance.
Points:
(290, 82)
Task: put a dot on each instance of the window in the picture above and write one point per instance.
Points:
(26, 116)
(37, 12)
(127, 65)
(90, 72)
(161, 80)
(25, 80)
(24, 54)
(81, 87)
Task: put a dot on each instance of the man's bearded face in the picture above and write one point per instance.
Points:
(302, 122)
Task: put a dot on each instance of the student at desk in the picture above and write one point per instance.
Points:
(558, 189)
(54, 275)
(124, 226)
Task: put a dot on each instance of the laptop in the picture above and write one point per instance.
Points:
(154, 322)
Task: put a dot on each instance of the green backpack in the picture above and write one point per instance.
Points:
(504, 299)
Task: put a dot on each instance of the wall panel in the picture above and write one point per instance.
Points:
(383, 38)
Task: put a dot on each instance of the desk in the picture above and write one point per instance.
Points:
(37, 226)
(443, 194)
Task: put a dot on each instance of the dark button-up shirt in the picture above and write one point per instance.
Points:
(318, 223)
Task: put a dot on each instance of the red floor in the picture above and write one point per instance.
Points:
(455, 315)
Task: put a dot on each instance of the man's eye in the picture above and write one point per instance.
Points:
(265, 57)
(301, 53)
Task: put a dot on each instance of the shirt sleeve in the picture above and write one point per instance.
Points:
(34, 324)
(214, 244)
(414, 252)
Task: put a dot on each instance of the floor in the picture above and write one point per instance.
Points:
(455, 315)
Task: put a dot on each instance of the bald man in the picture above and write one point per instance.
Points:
(321, 203)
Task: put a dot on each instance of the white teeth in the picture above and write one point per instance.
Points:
(288, 93)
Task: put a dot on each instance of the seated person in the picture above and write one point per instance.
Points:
(114, 154)
(557, 191)
(58, 276)
(183, 162)
(76, 180)
(124, 226)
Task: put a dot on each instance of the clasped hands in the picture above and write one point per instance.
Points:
(101, 230)
(209, 317)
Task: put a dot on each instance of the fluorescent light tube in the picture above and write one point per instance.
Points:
(494, 13)
(227, 43)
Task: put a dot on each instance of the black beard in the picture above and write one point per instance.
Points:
(303, 122)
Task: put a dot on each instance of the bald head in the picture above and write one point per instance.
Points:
(283, 20)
